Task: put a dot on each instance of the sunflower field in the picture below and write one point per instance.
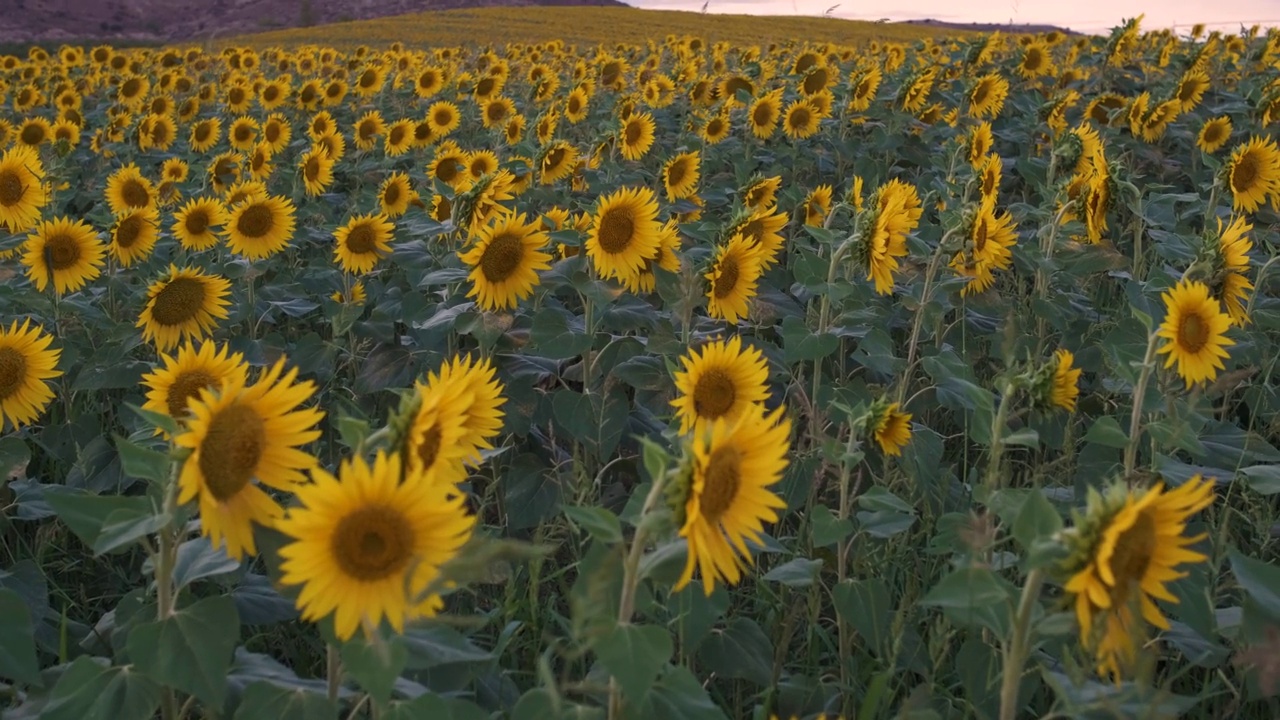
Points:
(679, 379)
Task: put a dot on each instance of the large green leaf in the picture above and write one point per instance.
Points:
(264, 700)
(375, 665)
(17, 640)
(1260, 579)
(191, 649)
(86, 513)
(739, 651)
(634, 655)
(91, 689)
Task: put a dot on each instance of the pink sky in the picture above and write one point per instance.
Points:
(1083, 15)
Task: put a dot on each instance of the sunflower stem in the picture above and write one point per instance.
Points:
(992, 482)
(1139, 394)
(333, 671)
(1017, 649)
(824, 317)
(631, 576)
(918, 321)
(166, 542)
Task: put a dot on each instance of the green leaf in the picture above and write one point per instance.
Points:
(799, 572)
(551, 336)
(155, 419)
(91, 689)
(198, 558)
(14, 456)
(264, 700)
(602, 524)
(865, 605)
(85, 513)
(1260, 579)
(1037, 520)
(741, 651)
(827, 529)
(17, 640)
(375, 665)
(635, 654)
(1106, 431)
(965, 589)
(1025, 437)
(440, 645)
(191, 649)
(124, 527)
(1263, 479)
(800, 344)
(679, 695)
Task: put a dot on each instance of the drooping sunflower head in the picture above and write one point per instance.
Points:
(762, 192)
(184, 304)
(1195, 330)
(1124, 549)
(720, 380)
(481, 416)
(27, 363)
(63, 253)
(369, 545)
(979, 145)
(732, 466)
(172, 386)
(890, 427)
(817, 205)
(1056, 384)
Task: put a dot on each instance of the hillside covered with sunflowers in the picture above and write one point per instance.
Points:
(657, 378)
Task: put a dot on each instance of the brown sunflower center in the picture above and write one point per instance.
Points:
(1213, 133)
(762, 115)
(186, 385)
(62, 251)
(311, 170)
(396, 136)
(372, 543)
(677, 172)
(233, 444)
(1132, 556)
(1193, 332)
(362, 239)
(502, 257)
(496, 111)
(203, 132)
(634, 132)
(391, 195)
(12, 189)
(714, 394)
(13, 372)
(179, 301)
(429, 447)
(553, 159)
(575, 104)
(1245, 173)
(128, 231)
(715, 127)
(800, 118)
(256, 221)
(617, 230)
(980, 236)
(727, 278)
(244, 133)
(722, 477)
(981, 93)
(368, 129)
(134, 193)
(447, 170)
(443, 117)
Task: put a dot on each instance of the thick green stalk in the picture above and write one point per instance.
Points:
(1018, 647)
(1139, 394)
(992, 482)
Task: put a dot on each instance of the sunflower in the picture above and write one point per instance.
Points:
(185, 303)
(764, 113)
(399, 138)
(504, 260)
(478, 411)
(277, 132)
(763, 228)
(817, 204)
(1196, 329)
(134, 236)
(722, 380)
(239, 433)
(128, 190)
(34, 132)
(243, 134)
(1036, 61)
(1057, 383)
(449, 167)
(443, 117)
(800, 120)
(481, 162)
(317, 170)
(356, 295)
(395, 195)
(1232, 288)
(646, 280)
(864, 85)
(368, 129)
(624, 232)
(26, 366)
(990, 237)
(261, 227)
(1214, 134)
(1253, 173)
(333, 144)
(224, 171)
(245, 191)
(1125, 549)
(175, 170)
(1191, 89)
(890, 427)
(987, 97)
(733, 276)
(557, 162)
(980, 142)
(636, 134)
(430, 80)
(369, 546)
(362, 242)
(727, 499)
(260, 167)
(545, 130)
(680, 175)
(64, 253)
(23, 193)
(65, 131)
(715, 129)
(172, 387)
(886, 240)
(495, 112)
(576, 105)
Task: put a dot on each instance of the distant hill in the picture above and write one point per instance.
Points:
(161, 21)
(1012, 29)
